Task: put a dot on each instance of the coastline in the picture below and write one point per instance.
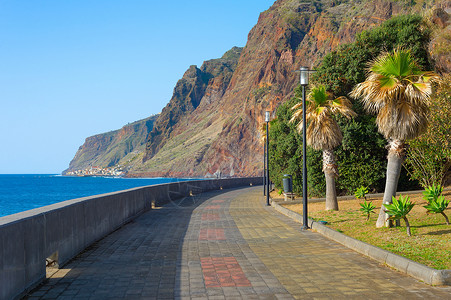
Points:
(22, 192)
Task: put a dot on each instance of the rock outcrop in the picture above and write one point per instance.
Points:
(211, 124)
(288, 35)
(205, 85)
(113, 148)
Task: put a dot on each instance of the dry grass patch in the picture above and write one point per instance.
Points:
(430, 243)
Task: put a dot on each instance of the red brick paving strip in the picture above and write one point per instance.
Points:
(217, 201)
(223, 272)
(212, 234)
(210, 217)
(213, 207)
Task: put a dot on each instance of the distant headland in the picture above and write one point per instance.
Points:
(212, 122)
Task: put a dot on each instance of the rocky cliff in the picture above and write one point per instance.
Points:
(205, 85)
(222, 136)
(115, 148)
(211, 124)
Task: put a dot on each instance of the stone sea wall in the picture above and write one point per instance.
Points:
(60, 231)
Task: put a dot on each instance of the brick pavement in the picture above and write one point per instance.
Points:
(225, 245)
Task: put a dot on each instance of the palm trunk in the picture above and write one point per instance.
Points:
(446, 218)
(407, 226)
(331, 172)
(395, 159)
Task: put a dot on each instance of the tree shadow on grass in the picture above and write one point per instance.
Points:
(424, 226)
(440, 232)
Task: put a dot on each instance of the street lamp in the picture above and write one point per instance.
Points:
(264, 168)
(267, 117)
(304, 80)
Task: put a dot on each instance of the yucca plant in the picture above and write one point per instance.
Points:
(361, 193)
(399, 209)
(367, 208)
(438, 206)
(432, 192)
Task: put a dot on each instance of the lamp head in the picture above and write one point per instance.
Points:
(304, 75)
(267, 116)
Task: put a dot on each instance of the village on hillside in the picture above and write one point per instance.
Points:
(97, 171)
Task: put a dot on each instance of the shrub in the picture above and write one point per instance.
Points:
(432, 192)
(438, 206)
(399, 209)
(429, 155)
(285, 154)
(361, 192)
(362, 156)
(367, 208)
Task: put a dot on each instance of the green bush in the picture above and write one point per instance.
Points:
(285, 154)
(399, 209)
(367, 208)
(362, 156)
(438, 206)
(429, 155)
(436, 202)
(361, 192)
(342, 69)
(431, 193)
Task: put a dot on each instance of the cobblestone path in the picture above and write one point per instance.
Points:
(225, 245)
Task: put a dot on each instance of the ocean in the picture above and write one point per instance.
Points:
(23, 192)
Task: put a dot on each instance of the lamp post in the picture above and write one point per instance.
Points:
(304, 78)
(264, 168)
(267, 117)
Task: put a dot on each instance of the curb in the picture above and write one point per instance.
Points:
(369, 197)
(421, 272)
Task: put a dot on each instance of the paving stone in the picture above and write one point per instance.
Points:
(225, 245)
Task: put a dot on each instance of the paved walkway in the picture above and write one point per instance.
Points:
(225, 245)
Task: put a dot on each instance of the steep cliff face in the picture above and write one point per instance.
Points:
(206, 84)
(114, 147)
(440, 46)
(211, 124)
(221, 134)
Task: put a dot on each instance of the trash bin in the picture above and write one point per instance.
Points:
(287, 184)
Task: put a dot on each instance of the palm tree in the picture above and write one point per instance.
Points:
(323, 132)
(399, 92)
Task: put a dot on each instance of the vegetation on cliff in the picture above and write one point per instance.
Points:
(118, 147)
(211, 124)
(361, 156)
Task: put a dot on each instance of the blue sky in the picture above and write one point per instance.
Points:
(74, 68)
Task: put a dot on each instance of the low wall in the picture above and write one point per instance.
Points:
(65, 229)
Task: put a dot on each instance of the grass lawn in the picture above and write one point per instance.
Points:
(430, 243)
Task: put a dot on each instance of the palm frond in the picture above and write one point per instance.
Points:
(399, 92)
(343, 106)
(323, 131)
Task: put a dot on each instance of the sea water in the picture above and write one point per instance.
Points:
(23, 192)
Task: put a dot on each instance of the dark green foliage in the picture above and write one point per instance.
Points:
(362, 156)
(340, 70)
(361, 192)
(285, 154)
(438, 206)
(431, 193)
(367, 208)
(399, 209)
(316, 182)
(429, 155)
